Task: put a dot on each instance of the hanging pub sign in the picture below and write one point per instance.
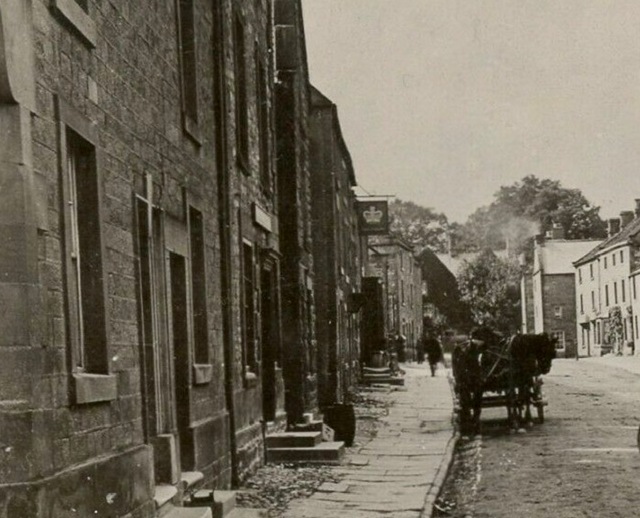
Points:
(373, 217)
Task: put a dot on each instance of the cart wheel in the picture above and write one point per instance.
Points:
(541, 418)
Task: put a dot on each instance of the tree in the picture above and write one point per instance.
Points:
(490, 287)
(528, 207)
(421, 227)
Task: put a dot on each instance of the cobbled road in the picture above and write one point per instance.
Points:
(582, 462)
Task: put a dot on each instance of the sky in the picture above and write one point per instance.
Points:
(443, 101)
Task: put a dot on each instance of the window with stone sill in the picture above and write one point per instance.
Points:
(240, 81)
(83, 253)
(188, 65)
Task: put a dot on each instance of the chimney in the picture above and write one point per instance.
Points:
(613, 227)
(626, 217)
(539, 239)
(637, 207)
(557, 232)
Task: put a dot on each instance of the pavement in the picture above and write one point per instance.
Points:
(400, 472)
(628, 363)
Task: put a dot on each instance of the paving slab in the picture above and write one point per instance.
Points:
(399, 472)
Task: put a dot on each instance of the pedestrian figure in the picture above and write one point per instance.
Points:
(434, 352)
(420, 350)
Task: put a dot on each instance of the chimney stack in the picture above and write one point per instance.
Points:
(613, 227)
(626, 217)
(557, 231)
(637, 207)
(539, 239)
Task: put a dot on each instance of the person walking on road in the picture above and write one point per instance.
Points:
(434, 352)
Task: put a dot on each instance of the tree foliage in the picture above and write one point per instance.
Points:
(489, 286)
(526, 208)
(421, 227)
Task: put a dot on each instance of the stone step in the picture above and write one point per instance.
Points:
(388, 380)
(222, 502)
(326, 452)
(247, 512)
(315, 426)
(163, 497)
(189, 512)
(293, 439)
(376, 370)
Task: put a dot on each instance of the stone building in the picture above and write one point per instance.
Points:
(292, 104)
(548, 289)
(606, 292)
(336, 253)
(393, 261)
(140, 270)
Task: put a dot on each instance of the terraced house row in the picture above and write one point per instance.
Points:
(181, 265)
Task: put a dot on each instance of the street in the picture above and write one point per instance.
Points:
(582, 462)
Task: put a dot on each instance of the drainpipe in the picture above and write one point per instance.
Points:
(224, 218)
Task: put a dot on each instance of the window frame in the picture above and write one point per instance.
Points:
(92, 383)
(188, 68)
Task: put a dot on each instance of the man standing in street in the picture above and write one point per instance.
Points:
(434, 352)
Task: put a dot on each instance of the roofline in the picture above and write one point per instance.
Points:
(600, 252)
(337, 128)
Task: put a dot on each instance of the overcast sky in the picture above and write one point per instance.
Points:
(443, 101)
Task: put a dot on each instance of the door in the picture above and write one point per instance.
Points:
(269, 334)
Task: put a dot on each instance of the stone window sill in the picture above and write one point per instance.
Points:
(192, 129)
(94, 388)
(202, 373)
(70, 11)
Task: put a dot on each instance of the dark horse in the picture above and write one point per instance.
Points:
(489, 362)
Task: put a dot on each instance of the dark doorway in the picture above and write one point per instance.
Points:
(270, 338)
(180, 340)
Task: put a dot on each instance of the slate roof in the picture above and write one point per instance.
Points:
(621, 237)
(557, 256)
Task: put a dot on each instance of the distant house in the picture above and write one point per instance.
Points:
(548, 292)
(606, 289)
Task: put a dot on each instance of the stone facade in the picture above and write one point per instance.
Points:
(393, 261)
(606, 290)
(294, 204)
(128, 358)
(336, 254)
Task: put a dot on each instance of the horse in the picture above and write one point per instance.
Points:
(470, 379)
(489, 362)
(531, 355)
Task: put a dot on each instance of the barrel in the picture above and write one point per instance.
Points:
(342, 418)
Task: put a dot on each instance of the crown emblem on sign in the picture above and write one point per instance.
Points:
(372, 215)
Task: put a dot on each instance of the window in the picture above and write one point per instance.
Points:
(198, 287)
(606, 295)
(248, 320)
(581, 304)
(615, 292)
(622, 294)
(591, 270)
(188, 61)
(85, 284)
(579, 276)
(264, 123)
(605, 263)
(557, 311)
(593, 301)
(559, 336)
(635, 293)
(621, 256)
(240, 79)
